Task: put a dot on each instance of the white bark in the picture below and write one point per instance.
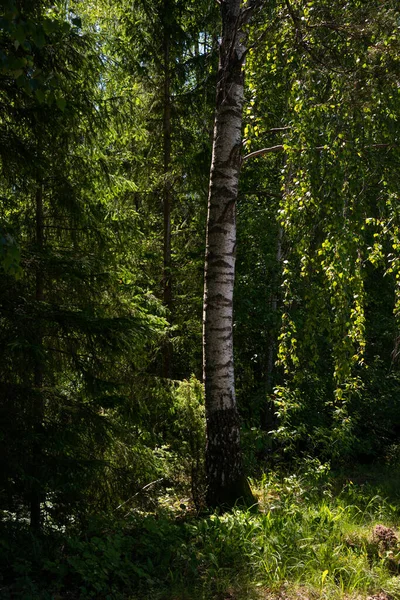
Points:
(226, 483)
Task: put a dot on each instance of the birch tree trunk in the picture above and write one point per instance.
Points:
(226, 483)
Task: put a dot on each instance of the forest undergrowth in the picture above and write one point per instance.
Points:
(312, 536)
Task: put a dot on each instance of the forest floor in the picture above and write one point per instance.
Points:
(314, 536)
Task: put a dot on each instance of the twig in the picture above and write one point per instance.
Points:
(275, 129)
(140, 491)
(279, 148)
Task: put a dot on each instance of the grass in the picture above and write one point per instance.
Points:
(305, 542)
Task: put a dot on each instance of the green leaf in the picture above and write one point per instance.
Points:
(40, 96)
(50, 26)
(61, 103)
(39, 38)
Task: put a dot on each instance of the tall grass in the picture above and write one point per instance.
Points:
(304, 542)
(303, 537)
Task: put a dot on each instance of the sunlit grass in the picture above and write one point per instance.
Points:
(307, 540)
(303, 543)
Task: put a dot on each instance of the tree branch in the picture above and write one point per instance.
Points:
(279, 148)
(140, 491)
(276, 129)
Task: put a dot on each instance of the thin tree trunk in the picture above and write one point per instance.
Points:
(167, 287)
(274, 307)
(269, 418)
(38, 406)
(226, 483)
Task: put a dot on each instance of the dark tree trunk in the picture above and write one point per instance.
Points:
(167, 286)
(38, 405)
(226, 483)
(269, 420)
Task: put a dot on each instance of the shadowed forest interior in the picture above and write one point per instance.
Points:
(199, 366)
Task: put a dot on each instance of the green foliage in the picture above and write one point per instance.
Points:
(188, 434)
(322, 84)
(303, 537)
(10, 255)
(76, 326)
(136, 66)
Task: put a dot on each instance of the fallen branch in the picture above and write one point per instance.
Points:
(140, 491)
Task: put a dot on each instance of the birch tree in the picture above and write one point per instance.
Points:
(226, 483)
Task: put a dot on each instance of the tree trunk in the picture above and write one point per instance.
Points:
(226, 484)
(38, 406)
(268, 419)
(167, 289)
